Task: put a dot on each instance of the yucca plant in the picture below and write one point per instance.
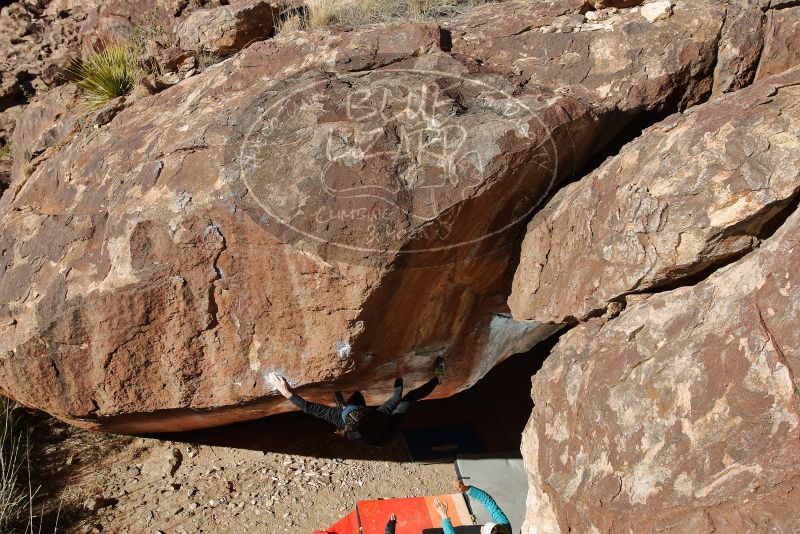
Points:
(107, 74)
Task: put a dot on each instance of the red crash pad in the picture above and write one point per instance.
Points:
(347, 525)
(413, 515)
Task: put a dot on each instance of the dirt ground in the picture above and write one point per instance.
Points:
(286, 473)
(140, 485)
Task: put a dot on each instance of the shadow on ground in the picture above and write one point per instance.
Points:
(497, 408)
(59, 457)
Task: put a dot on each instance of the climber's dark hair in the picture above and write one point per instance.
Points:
(500, 529)
(354, 421)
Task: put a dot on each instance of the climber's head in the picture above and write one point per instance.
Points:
(354, 420)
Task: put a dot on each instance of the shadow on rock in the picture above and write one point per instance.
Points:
(496, 409)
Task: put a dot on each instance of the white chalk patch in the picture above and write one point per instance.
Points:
(343, 349)
(279, 372)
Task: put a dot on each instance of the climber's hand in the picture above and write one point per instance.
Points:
(280, 383)
(440, 507)
(460, 486)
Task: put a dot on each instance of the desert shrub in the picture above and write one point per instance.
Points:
(423, 9)
(205, 59)
(141, 34)
(107, 74)
(5, 152)
(321, 13)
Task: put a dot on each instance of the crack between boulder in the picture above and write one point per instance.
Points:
(787, 5)
(213, 307)
(765, 230)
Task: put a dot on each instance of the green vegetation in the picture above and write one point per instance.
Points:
(5, 152)
(108, 74)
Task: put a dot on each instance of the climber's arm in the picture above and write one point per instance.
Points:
(397, 393)
(441, 507)
(491, 506)
(326, 413)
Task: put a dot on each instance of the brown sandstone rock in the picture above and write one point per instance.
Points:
(228, 29)
(118, 20)
(680, 415)
(48, 122)
(781, 41)
(36, 45)
(740, 47)
(760, 38)
(622, 62)
(286, 210)
(619, 60)
(600, 4)
(690, 193)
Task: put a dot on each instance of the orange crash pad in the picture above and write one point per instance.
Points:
(414, 514)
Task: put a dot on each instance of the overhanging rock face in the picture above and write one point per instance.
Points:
(339, 209)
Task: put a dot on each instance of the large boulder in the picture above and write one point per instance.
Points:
(781, 39)
(681, 414)
(339, 207)
(617, 59)
(759, 38)
(694, 191)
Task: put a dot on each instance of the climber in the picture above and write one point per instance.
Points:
(390, 526)
(499, 523)
(358, 422)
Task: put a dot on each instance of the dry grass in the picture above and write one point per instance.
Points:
(353, 13)
(5, 152)
(206, 59)
(16, 494)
